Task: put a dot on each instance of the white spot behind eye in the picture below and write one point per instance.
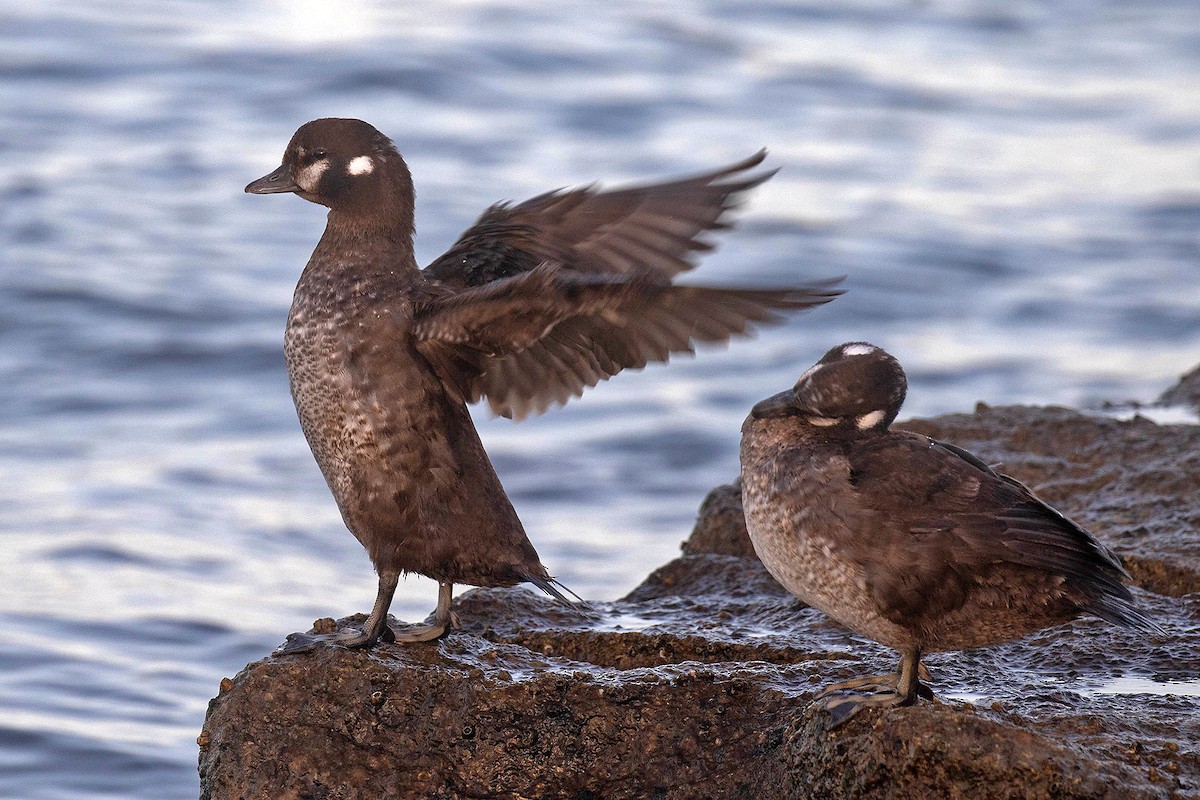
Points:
(858, 350)
(869, 420)
(362, 165)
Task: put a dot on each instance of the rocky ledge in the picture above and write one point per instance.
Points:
(695, 685)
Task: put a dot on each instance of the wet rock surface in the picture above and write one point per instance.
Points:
(696, 683)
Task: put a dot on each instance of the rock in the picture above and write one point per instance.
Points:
(908, 754)
(696, 683)
(721, 524)
(1185, 393)
(469, 717)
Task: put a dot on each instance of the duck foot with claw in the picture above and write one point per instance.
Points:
(844, 699)
(377, 628)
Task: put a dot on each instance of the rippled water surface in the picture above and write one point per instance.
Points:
(1012, 189)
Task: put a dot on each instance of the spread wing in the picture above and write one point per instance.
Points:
(653, 228)
(543, 336)
(943, 520)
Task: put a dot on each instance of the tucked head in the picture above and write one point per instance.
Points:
(856, 384)
(344, 164)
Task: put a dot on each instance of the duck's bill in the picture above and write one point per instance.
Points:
(779, 405)
(277, 182)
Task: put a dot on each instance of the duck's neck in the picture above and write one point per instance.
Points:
(366, 244)
(372, 229)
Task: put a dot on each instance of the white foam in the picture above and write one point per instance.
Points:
(1136, 684)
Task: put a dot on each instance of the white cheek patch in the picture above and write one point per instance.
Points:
(308, 178)
(362, 165)
(869, 420)
(859, 350)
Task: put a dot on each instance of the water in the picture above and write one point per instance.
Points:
(1123, 685)
(1013, 189)
(1136, 684)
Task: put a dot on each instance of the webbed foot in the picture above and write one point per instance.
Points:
(351, 637)
(419, 631)
(377, 628)
(435, 626)
(842, 700)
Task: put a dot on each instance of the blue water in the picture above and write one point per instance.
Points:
(1012, 189)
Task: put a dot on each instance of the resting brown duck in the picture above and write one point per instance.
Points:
(912, 542)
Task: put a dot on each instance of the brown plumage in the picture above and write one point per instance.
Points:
(912, 542)
(533, 304)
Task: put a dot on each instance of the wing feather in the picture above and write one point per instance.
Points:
(543, 336)
(982, 519)
(653, 228)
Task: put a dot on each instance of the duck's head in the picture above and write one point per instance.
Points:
(345, 164)
(855, 385)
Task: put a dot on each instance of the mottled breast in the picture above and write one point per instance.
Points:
(323, 391)
(804, 523)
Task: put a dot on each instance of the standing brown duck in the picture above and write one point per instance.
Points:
(533, 304)
(912, 542)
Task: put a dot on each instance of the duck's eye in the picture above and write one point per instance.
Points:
(319, 153)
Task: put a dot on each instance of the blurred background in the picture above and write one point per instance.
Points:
(1013, 190)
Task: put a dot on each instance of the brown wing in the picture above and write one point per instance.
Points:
(543, 336)
(943, 517)
(655, 227)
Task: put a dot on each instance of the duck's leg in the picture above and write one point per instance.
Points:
(845, 699)
(376, 627)
(436, 626)
(909, 685)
